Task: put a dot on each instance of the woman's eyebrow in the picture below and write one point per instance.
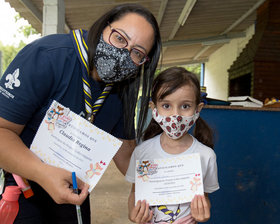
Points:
(128, 37)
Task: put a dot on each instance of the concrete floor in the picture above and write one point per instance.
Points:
(109, 198)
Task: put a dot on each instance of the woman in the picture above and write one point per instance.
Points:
(75, 69)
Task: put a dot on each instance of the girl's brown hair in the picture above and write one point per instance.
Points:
(168, 82)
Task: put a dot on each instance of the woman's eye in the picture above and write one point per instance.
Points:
(119, 38)
(137, 54)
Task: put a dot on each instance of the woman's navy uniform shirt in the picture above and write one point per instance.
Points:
(48, 69)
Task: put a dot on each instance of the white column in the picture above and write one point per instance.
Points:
(53, 17)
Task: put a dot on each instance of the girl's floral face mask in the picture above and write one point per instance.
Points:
(175, 126)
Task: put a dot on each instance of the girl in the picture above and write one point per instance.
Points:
(175, 94)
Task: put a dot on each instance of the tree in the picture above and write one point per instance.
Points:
(8, 54)
(10, 51)
(26, 30)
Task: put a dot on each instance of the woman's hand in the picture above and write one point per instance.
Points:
(200, 208)
(57, 181)
(141, 213)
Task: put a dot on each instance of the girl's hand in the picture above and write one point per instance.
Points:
(141, 213)
(188, 220)
(200, 208)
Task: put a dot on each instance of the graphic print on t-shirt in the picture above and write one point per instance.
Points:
(166, 215)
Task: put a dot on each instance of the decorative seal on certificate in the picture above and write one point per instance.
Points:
(146, 168)
(57, 115)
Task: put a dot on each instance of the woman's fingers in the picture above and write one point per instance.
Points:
(56, 182)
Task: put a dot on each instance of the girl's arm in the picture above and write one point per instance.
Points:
(123, 155)
(200, 208)
(139, 213)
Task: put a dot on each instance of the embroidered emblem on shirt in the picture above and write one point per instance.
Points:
(13, 80)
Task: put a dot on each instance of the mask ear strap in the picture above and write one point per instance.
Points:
(196, 115)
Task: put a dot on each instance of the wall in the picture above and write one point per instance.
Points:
(216, 75)
(248, 158)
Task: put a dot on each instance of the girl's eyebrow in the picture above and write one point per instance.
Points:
(128, 37)
(164, 101)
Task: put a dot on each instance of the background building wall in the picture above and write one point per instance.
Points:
(216, 75)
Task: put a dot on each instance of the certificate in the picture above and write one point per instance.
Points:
(168, 181)
(66, 140)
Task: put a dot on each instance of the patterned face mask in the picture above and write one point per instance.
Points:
(113, 64)
(175, 126)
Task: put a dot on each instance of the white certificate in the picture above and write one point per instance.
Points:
(66, 140)
(169, 181)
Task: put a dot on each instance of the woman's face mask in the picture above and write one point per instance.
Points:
(175, 126)
(113, 64)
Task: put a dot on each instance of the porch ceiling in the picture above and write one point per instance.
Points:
(191, 30)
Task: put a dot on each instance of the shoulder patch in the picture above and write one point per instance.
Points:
(12, 80)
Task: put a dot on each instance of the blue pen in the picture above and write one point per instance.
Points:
(75, 189)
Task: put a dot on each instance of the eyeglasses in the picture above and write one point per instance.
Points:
(119, 41)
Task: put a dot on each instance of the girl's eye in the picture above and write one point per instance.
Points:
(185, 106)
(165, 106)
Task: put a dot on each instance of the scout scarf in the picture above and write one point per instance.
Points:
(81, 50)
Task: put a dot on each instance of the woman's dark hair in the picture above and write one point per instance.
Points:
(129, 88)
(168, 82)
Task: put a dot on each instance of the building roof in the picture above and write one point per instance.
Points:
(191, 30)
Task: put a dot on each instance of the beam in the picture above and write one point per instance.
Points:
(204, 41)
(182, 18)
(243, 17)
(232, 26)
(32, 9)
(205, 48)
(161, 11)
(183, 62)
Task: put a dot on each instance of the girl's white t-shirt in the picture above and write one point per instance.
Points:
(151, 149)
